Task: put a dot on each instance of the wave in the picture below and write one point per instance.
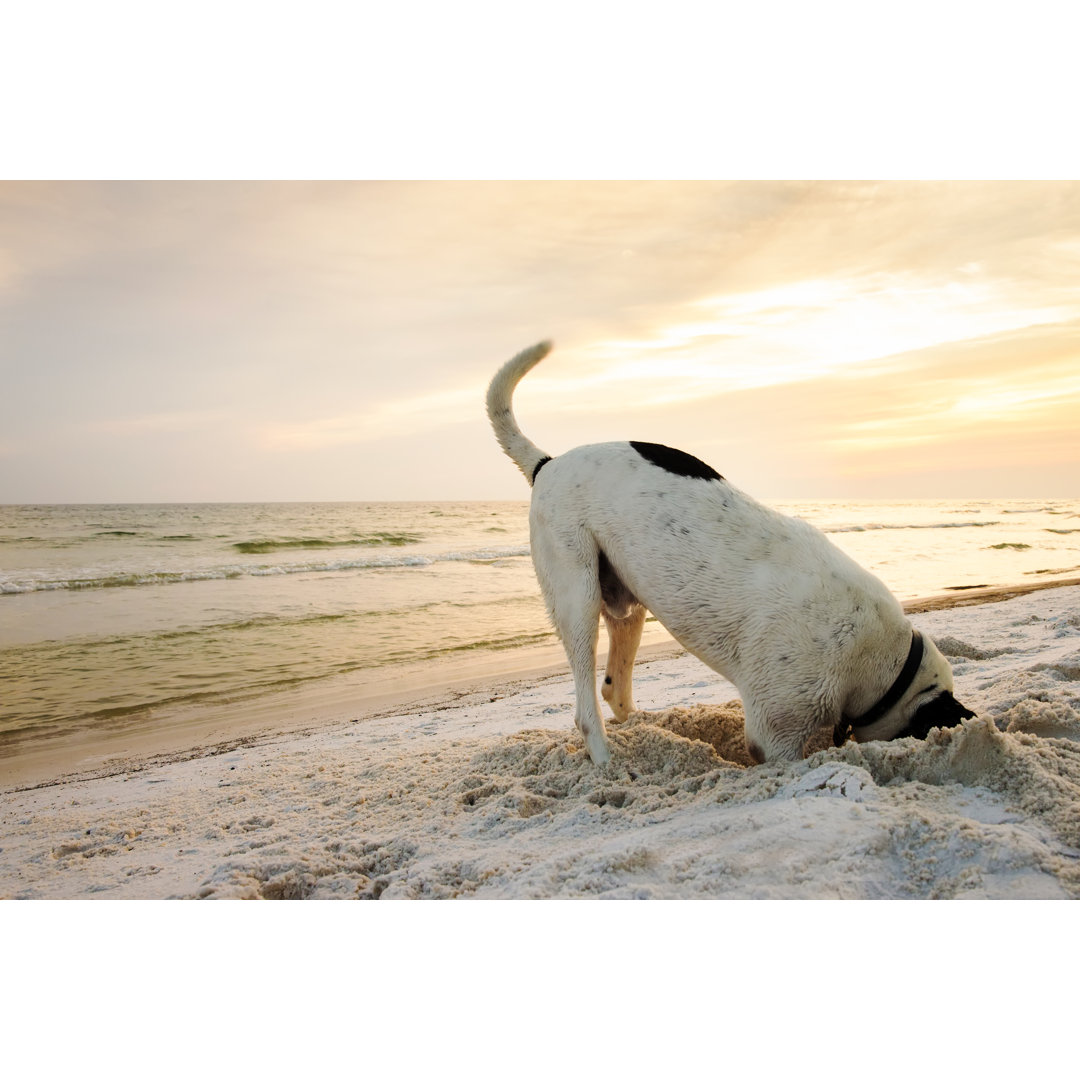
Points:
(376, 539)
(934, 525)
(102, 536)
(115, 581)
(120, 580)
(245, 547)
(1033, 510)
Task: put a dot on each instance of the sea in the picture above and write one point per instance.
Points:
(112, 614)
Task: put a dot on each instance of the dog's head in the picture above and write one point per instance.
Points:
(940, 711)
(929, 703)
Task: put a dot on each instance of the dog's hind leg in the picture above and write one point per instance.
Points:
(624, 636)
(624, 617)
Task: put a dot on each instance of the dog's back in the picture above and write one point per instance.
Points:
(729, 577)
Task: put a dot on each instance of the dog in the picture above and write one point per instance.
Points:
(808, 637)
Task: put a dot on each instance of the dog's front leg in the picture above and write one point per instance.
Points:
(624, 636)
(774, 735)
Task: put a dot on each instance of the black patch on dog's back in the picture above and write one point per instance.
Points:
(539, 465)
(675, 461)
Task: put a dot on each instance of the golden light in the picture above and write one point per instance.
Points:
(807, 330)
(1011, 402)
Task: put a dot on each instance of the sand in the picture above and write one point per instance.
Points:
(491, 795)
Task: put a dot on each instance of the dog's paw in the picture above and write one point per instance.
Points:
(598, 749)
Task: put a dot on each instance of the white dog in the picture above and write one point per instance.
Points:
(809, 637)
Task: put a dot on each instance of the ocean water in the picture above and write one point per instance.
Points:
(109, 614)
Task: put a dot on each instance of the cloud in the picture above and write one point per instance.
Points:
(983, 394)
(812, 329)
(155, 423)
(387, 419)
(200, 320)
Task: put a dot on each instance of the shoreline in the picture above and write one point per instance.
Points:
(201, 731)
(192, 731)
(970, 595)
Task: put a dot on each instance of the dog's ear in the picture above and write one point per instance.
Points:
(942, 711)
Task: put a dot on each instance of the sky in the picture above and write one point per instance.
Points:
(260, 341)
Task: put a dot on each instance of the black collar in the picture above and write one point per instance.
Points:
(891, 696)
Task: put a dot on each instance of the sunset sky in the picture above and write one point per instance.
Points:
(333, 341)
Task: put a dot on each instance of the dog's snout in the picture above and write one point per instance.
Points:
(755, 751)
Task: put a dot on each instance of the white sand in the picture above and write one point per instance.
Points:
(493, 797)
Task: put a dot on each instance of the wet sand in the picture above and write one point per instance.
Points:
(190, 731)
(969, 595)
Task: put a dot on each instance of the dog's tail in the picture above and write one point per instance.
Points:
(522, 452)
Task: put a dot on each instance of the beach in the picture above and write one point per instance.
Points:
(485, 791)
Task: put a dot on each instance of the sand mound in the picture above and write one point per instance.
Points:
(1039, 777)
(953, 647)
(721, 726)
(545, 771)
(671, 759)
(1050, 720)
(1028, 755)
